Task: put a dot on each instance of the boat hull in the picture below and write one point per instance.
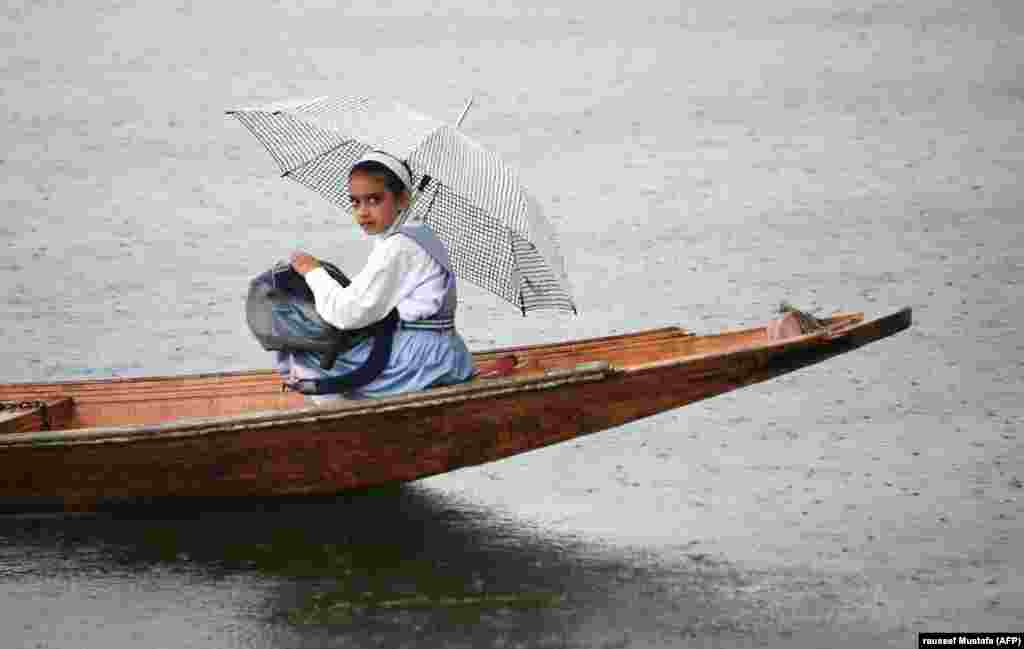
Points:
(325, 450)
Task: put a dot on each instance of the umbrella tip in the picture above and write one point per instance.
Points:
(465, 110)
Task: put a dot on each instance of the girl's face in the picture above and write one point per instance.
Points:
(374, 207)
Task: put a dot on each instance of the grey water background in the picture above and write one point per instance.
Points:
(701, 162)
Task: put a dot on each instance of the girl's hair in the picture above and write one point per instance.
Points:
(376, 169)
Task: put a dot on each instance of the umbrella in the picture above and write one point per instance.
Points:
(495, 232)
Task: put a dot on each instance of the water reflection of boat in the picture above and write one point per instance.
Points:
(239, 434)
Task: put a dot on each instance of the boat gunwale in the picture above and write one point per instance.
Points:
(483, 388)
(837, 330)
(197, 426)
(545, 349)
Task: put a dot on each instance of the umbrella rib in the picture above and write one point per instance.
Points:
(519, 288)
(289, 172)
(251, 127)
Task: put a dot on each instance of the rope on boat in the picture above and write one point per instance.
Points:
(29, 405)
(21, 405)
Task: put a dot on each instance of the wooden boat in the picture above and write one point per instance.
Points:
(239, 434)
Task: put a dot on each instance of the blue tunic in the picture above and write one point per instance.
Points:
(424, 354)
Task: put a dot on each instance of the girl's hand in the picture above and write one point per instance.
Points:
(303, 263)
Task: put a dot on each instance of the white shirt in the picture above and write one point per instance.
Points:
(399, 272)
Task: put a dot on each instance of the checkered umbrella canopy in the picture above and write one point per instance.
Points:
(495, 232)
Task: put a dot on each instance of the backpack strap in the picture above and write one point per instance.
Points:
(383, 332)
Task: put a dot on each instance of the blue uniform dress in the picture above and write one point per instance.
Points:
(425, 353)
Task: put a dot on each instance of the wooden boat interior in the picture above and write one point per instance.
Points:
(132, 401)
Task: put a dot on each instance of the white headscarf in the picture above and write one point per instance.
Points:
(399, 169)
(391, 162)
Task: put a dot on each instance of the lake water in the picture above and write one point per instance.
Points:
(701, 164)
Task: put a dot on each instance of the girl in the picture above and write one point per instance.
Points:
(408, 269)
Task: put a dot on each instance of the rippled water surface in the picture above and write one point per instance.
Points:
(701, 163)
(384, 568)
